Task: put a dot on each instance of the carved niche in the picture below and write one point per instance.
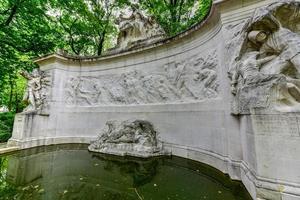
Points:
(265, 68)
(131, 137)
(137, 30)
(37, 90)
(191, 80)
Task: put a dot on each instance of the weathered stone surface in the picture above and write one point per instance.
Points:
(194, 79)
(266, 70)
(137, 30)
(131, 137)
(37, 91)
(277, 125)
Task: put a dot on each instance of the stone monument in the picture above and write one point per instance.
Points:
(189, 80)
(137, 30)
(225, 92)
(266, 72)
(265, 83)
(36, 91)
(128, 138)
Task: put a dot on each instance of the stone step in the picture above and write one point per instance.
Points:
(8, 149)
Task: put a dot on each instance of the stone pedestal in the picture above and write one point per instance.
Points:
(22, 125)
(29, 130)
(272, 154)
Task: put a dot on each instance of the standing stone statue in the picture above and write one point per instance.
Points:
(35, 93)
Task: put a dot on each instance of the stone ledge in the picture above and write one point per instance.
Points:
(8, 149)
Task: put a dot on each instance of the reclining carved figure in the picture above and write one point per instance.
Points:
(130, 137)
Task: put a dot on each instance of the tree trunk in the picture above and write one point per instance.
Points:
(100, 44)
(11, 93)
(16, 99)
(12, 14)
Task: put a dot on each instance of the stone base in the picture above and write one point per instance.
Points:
(129, 150)
(271, 152)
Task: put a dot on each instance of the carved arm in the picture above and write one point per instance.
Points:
(39, 85)
(26, 75)
(262, 61)
(234, 81)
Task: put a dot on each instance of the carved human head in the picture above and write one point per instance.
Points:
(137, 14)
(35, 72)
(257, 36)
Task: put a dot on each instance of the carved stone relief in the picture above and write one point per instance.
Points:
(265, 73)
(37, 91)
(193, 79)
(137, 30)
(131, 137)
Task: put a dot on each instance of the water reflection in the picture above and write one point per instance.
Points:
(6, 190)
(140, 171)
(66, 172)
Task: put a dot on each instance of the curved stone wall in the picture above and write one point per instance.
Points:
(180, 85)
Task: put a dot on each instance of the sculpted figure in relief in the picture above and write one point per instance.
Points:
(248, 69)
(266, 73)
(137, 30)
(130, 137)
(281, 42)
(191, 80)
(35, 93)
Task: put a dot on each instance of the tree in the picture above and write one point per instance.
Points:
(87, 26)
(176, 15)
(24, 27)
(25, 32)
(32, 28)
(7, 191)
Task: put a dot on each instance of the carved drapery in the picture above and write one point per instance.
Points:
(265, 68)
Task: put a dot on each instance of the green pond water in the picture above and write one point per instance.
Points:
(71, 172)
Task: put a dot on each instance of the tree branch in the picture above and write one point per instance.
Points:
(11, 16)
(13, 12)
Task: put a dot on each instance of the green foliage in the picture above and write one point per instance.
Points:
(25, 32)
(87, 26)
(7, 191)
(6, 126)
(12, 94)
(176, 15)
(31, 28)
